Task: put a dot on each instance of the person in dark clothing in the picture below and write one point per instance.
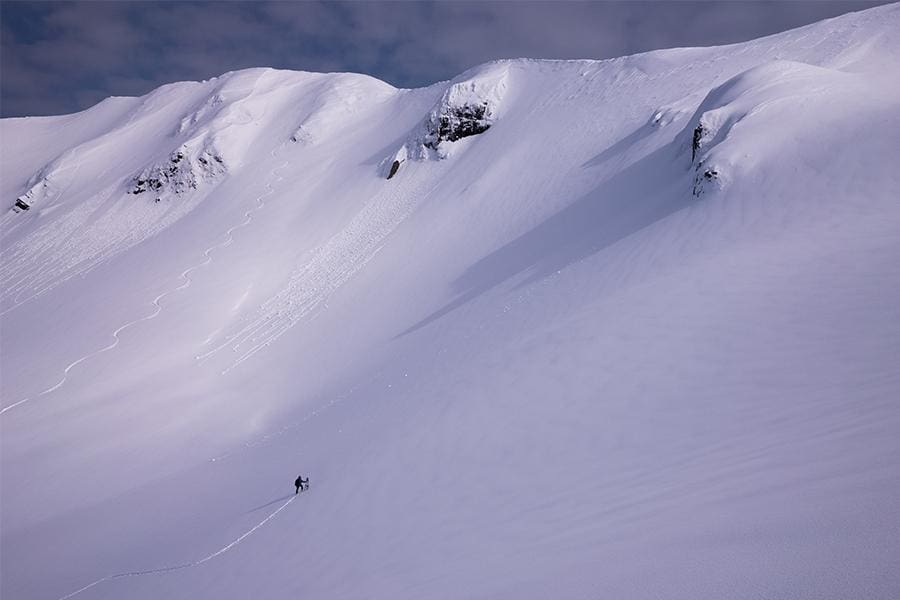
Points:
(301, 484)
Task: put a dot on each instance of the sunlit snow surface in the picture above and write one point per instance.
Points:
(562, 358)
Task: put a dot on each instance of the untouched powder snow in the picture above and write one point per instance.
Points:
(569, 329)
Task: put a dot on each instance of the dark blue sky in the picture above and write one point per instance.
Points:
(60, 57)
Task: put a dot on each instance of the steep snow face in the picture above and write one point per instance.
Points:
(773, 106)
(468, 107)
(620, 329)
(337, 99)
(143, 174)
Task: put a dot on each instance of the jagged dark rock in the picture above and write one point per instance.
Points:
(695, 144)
(301, 135)
(143, 184)
(179, 174)
(394, 168)
(457, 122)
(703, 177)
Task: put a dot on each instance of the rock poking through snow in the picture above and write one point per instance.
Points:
(394, 168)
(467, 108)
(301, 135)
(453, 123)
(180, 173)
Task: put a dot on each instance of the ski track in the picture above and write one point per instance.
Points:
(185, 275)
(80, 253)
(71, 261)
(310, 287)
(20, 250)
(195, 563)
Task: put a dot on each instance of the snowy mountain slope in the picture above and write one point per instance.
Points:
(636, 338)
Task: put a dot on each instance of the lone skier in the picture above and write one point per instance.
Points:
(301, 484)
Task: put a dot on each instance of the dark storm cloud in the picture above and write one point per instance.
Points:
(62, 57)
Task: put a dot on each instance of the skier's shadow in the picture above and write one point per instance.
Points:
(270, 503)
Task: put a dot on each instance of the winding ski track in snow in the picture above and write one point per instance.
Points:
(79, 253)
(156, 302)
(179, 567)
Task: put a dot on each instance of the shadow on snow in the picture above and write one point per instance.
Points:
(647, 191)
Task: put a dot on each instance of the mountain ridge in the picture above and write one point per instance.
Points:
(633, 338)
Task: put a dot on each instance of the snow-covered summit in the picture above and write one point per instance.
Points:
(621, 329)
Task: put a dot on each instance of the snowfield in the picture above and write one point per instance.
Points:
(570, 329)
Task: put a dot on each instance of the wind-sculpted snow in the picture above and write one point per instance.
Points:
(763, 108)
(337, 99)
(612, 329)
(468, 107)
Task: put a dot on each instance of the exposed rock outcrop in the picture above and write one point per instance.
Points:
(394, 168)
(40, 186)
(705, 178)
(454, 123)
(301, 135)
(180, 173)
(467, 108)
(695, 144)
(747, 119)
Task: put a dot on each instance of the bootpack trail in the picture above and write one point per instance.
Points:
(196, 563)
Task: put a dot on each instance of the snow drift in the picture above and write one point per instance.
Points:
(621, 328)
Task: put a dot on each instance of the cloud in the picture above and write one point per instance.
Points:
(62, 57)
